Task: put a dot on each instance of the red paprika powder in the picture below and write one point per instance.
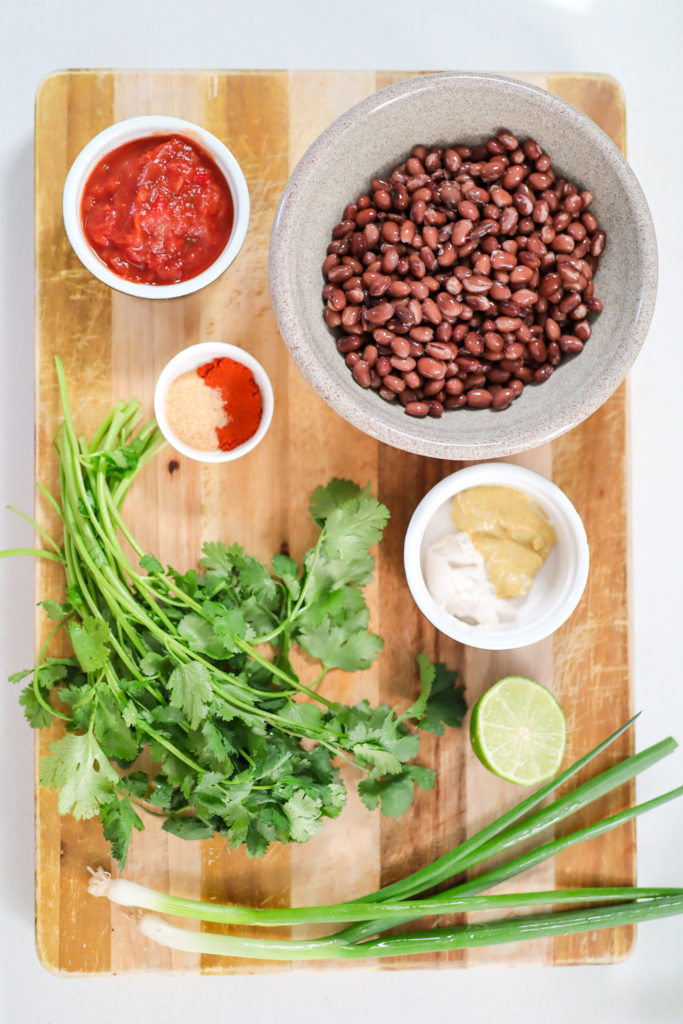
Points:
(241, 400)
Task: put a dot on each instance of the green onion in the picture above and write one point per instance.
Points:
(435, 940)
(390, 906)
(130, 894)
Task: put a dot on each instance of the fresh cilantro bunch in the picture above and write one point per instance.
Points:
(194, 668)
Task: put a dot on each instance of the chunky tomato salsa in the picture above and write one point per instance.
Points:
(157, 210)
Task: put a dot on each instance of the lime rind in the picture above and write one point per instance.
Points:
(518, 731)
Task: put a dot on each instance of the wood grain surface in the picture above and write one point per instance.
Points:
(113, 346)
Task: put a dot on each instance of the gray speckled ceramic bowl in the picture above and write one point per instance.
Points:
(451, 107)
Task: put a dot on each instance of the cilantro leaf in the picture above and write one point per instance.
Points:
(110, 727)
(338, 491)
(356, 524)
(35, 713)
(151, 564)
(424, 777)
(137, 784)
(308, 715)
(74, 596)
(89, 641)
(342, 558)
(209, 796)
(51, 672)
(79, 766)
(119, 818)
(80, 696)
(236, 818)
(230, 625)
(201, 636)
(244, 571)
(257, 839)
(336, 648)
(122, 462)
(45, 676)
(288, 571)
(216, 558)
(446, 705)
(334, 799)
(188, 828)
(55, 610)
(393, 794)
(403, 748)
(216, 748)
(335, 630)
(427, 674)
(153, 664)
(303, 815)
(191, 691)
(16, 677)
(382, 761)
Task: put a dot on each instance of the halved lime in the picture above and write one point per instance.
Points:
(518, 731)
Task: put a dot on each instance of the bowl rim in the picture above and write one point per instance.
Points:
(341, 400)
(118, 134)
(545, 493)
(190, 358)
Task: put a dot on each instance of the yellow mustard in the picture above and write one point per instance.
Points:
(509, 531)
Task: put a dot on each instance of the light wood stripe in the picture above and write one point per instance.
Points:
(246, 501)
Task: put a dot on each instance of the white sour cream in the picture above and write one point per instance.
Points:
(455, 574)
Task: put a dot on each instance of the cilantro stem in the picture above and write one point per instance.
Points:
(50, 498)
(109, 532)
(230, 715)
(36, 526)
(145, 806)
(51, 556)
(281, 674)
(319, 679)
(104, 427)
(39, 663)
(269, 637)
(172, 749)
(183, 597)
(74, 575)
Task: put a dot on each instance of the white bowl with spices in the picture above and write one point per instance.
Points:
(557, 586)
(197, 415)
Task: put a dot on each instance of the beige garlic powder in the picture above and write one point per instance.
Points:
(195, 411)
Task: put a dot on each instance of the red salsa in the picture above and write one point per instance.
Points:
(157, 210)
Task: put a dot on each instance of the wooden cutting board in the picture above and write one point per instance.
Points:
(113, 346)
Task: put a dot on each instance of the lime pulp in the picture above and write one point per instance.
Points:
(518, 731)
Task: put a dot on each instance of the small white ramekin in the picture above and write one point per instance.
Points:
(557, 587)
(118, 135)
(190, 359)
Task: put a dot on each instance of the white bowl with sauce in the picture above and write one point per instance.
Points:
(557, 587)
(143, 128)
(192, 358)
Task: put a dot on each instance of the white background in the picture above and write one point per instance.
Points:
(640, 44)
